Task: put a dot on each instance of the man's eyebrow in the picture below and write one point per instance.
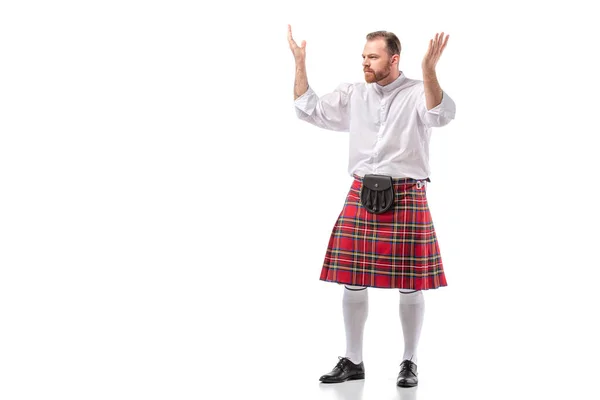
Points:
(371, 54)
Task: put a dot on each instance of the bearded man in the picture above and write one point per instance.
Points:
(384, 236)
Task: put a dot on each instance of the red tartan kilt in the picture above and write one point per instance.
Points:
(397, 249)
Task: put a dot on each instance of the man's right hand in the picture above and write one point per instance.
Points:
(298, 51)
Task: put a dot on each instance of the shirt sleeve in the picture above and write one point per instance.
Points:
(439, 115)
(330, 111)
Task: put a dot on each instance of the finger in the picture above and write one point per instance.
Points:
(440, 41)
(445, 42)
(292, 42)
(303, 45)
(290, 37)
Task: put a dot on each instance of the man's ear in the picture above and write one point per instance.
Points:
(396, 58)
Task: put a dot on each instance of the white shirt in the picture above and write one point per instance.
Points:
(390, 126)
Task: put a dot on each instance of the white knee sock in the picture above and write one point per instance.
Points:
(412, 310)
(355, 305)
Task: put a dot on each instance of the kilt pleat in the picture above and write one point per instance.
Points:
(397, 249)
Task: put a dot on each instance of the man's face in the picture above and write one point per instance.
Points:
(377, 64)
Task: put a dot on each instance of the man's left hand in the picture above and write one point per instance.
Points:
(434, 52)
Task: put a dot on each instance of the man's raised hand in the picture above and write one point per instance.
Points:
(298, 51)
(434, 52)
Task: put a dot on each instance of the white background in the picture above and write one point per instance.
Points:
(164, 215)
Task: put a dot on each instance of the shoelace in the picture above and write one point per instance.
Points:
(341, 363)
(405, 366)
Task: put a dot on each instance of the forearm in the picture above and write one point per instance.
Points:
(301, 82)
(433, 91)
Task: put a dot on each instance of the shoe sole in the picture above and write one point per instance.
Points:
(352, 378)
(407, 385)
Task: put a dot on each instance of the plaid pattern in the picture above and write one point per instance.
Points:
(396, 249)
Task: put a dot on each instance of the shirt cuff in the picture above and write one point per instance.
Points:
(306, 102)
(446, 108)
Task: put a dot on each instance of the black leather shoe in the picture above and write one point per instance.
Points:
(408, 374)
(345, 370)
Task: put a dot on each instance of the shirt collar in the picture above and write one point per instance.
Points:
(392, 85)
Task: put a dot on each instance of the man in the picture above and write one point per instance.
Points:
(384, 236)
